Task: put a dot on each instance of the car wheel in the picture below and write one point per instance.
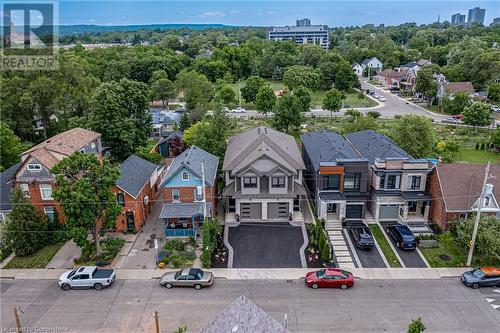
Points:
(475, 285)
(197, 286)
(168, 285)
(66, 287)
(98, 286)
(343, 286)
(314, 286)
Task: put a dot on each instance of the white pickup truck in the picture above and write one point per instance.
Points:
(87, 277)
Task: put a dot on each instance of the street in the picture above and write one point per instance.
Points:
(444, 305)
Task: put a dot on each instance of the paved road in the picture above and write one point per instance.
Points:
(371, 306)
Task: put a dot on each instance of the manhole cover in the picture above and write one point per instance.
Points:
(444, 257)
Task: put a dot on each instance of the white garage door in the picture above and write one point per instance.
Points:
(388, 212)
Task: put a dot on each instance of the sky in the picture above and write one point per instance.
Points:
(334, 13)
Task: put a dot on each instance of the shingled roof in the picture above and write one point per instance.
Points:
(455, 87)
(6, 186)
(64, 144)
(461, 184)
(326, 146)
(135, 173)
(192, 159)
(243, 316)
(372, 145)
(240, 146)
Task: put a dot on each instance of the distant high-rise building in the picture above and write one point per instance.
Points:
(496, 21)
(302, 33)
(305, 22)
(476, 15)
(458, 18)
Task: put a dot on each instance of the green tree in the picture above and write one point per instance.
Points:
(495, 137)
(26, 230)
(10, 147)
(333, 101)
(163, 89)
(251, 89)
(43, 91)
(184, 124)
(416, 326)
(304, 96)
(288, 113)
(359, 123)
(488, 235)
(345, 78)
(415, 135)
(477, 114)
(197, 89)
(265, 100)
(494, 92)
(84, 191)
(119, 111)
(426, 84)
(306, 76)
(226, 95)
(457, 104)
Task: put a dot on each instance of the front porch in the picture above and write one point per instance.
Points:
(184, 219)
(416, 207)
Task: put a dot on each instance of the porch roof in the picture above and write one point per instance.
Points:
(189, 209)
(416, 195)
(329, 196)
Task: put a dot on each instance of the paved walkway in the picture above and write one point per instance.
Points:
(340, 250)
(253, 273)
(141, 253)
(65, 257)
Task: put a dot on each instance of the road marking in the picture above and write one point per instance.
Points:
(495, 306)
(497, 291)
(489, 300)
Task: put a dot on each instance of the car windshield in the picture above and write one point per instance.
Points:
(72, 273)
(478, 273)
(344, 273)
(177, 274)
(320, 273)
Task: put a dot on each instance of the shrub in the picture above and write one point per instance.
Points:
(488, 235)
(482, 146)
(175, 244)
(360, 95)
(211, 231)
(477, 145)
(326, 253)
(373, 114)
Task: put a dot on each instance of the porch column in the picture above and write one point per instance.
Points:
(341, 211)
(427, 210)
(322, 210)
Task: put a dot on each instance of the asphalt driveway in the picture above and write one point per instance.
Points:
(410, 258)
(370, 258)
(266, 245)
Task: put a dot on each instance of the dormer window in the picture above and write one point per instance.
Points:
(34, 167)
(185, 176)
(487, 201)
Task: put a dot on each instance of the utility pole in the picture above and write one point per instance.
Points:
(156, 315)
(478, 215)
(203, 189)
(16, 310)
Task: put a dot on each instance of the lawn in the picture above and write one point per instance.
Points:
(352, 99)
(466, 155)
(385, 246)
(39, 259)
(458, 256)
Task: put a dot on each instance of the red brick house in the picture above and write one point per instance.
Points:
(136, 190)
(34, 177)
(455, 189)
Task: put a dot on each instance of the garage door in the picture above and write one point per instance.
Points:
(277, 210)
(251, 211)
(388, 212)
(354, 211)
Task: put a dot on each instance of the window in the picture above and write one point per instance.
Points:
(487, 201)
(120, 198)
(185, 176)
(331, 182)
(25, 189)
(352, 181)
(46, 190)
(414, 182)
(34, 167)
(2, 217)
(50, 212)
(250, 182)
(278, 182)
(392, 182)
(198, 195)
(176, 195)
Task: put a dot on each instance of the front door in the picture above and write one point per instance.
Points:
(331, 208)
(412, 207)
(129, 216)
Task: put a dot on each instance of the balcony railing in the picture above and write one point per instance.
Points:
(179, 232)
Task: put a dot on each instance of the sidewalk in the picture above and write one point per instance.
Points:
(253, 273)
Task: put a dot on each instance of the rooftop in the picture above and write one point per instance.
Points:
(192, 159)
(374, 145)
(134, 174)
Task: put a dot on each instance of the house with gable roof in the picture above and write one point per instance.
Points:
(136, 190)
(183, 190)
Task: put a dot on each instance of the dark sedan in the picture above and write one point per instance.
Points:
(363, 238)
(403, 236)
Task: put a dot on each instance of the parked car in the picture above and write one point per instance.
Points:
(239, 110)
(87, 277)
(381, 98)
(482, 277)
(329, 278)
(403, 236)
(495, 108)
(225, 109)
(188, 277)
(451, 120)
(458, 116)
(363, 237)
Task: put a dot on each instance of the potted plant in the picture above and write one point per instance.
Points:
(237, 216)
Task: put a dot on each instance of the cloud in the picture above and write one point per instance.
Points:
(272, 12)
(214, 13)
(234, 12)
(91, 20)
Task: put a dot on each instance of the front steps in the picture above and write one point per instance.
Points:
(340, 249)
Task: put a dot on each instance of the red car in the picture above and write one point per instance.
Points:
(329, 278)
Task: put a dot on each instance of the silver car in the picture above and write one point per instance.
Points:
(188, 277)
